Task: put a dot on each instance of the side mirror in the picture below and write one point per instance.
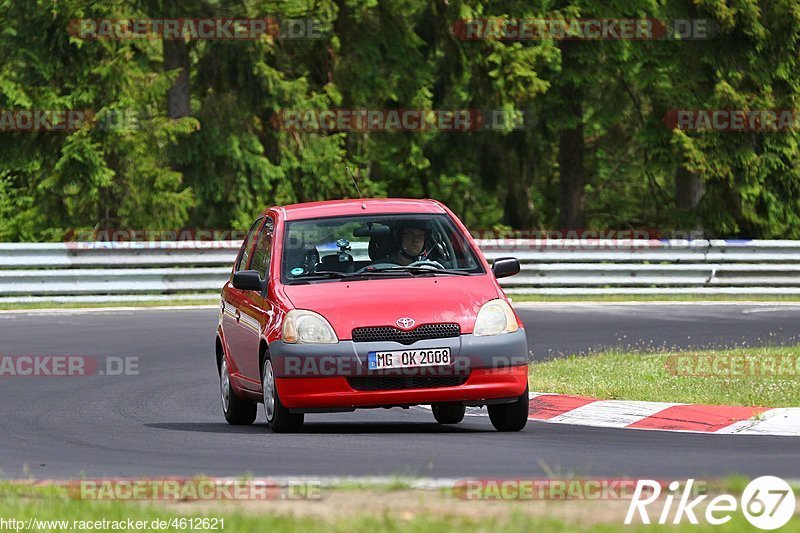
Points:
(505, 266)
(248, 280)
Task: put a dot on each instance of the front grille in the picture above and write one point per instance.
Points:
(404, 382)
(393, 334)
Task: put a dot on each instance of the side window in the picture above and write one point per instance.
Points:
(263, 249)
(247, 247)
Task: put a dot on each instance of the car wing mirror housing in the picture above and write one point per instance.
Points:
(249, 280)
(505, 266)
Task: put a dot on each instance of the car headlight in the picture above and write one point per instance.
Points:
(494, 318)
(307, 327)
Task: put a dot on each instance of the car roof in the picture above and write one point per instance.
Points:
(383, 206)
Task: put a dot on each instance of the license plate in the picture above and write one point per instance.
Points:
(409, 358)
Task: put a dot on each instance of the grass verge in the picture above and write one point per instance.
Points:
(213, 300)
(685, 377)
(689, 297)
(519, 298)
(345, 511)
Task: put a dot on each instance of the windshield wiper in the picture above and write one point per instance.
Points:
(417, 270)
(324, 274)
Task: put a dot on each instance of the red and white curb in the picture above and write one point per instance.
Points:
(719, 419)
(660, 416)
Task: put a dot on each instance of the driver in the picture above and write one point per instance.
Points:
(410, 238)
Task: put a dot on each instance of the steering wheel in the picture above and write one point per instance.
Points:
(427, 263)
(375, 266)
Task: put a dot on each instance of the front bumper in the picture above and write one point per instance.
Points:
(483, 386)
(316, 376)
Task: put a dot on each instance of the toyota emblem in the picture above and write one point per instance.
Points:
(405, 323)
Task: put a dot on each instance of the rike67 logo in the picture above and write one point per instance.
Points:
(768, 502)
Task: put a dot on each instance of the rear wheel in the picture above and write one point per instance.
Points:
(237, 412)
(448, 413)
(510, 416)
(279, 418)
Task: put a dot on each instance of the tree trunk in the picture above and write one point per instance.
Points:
(688, 189)
(519, 207)
(570, 162)
(519, 204)
(176, 56)
(571, 149)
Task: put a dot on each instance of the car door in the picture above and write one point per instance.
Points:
(256, 309)
(237, 337)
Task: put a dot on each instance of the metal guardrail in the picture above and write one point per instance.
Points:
(113, 271)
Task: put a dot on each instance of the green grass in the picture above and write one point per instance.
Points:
(50, 509)
(689, 297)
(212, 300)
(615, 375)
(393, 485)
(52, 503)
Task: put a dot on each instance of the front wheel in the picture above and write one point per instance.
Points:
(237, 412)
(448, 413)
(279, 418)
(510, 416)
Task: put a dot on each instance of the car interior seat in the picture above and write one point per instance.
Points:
(338, 262)
(306, 258)
(380, 247)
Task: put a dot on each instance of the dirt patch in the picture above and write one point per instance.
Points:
(409, 504)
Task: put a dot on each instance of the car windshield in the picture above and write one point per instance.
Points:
(375, 246)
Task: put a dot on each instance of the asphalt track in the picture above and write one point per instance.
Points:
(167, 419)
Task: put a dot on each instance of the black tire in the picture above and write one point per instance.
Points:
(237, 412)
(510, 416)
(448, 413)
(280, 420)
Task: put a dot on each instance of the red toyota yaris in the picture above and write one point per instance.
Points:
(333, 306)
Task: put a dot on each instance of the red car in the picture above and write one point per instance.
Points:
(333, 306)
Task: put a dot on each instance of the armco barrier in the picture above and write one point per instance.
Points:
(106, 271)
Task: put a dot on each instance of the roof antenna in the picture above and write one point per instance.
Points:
(363, 204)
